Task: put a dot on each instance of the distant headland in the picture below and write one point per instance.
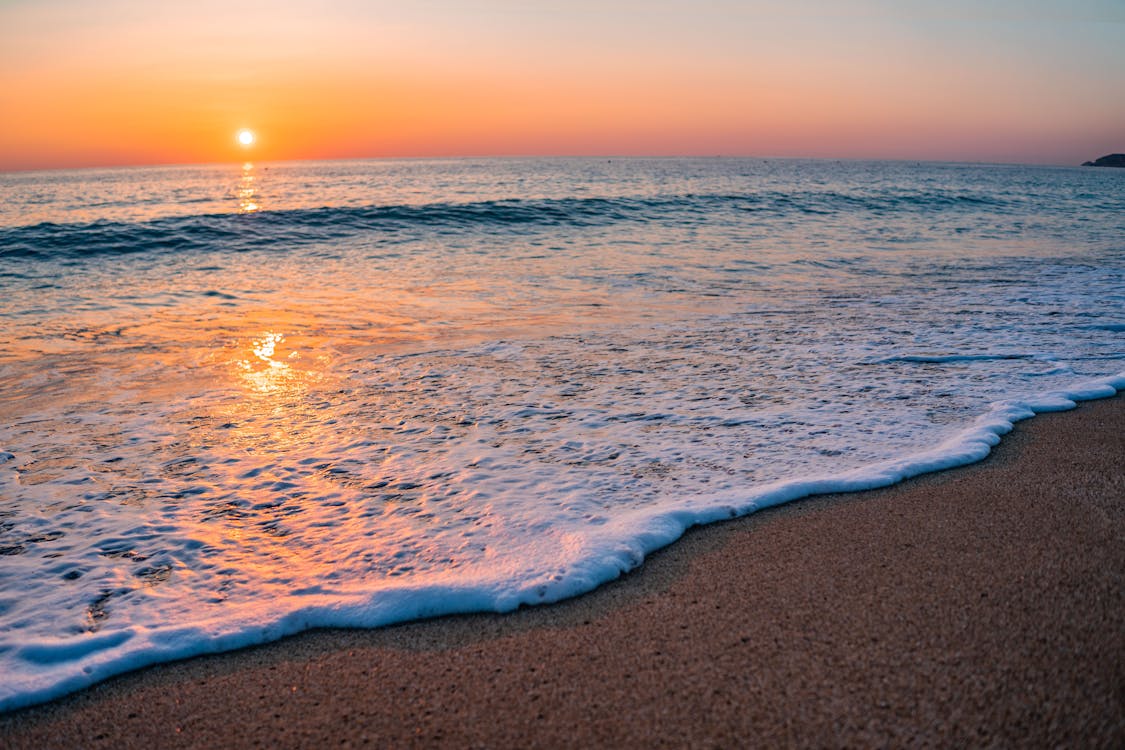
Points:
(1111, 160)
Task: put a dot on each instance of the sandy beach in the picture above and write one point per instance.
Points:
(976, 607)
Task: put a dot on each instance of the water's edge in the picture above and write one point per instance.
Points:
(143, 648)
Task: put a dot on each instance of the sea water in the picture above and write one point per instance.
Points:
(240, 401)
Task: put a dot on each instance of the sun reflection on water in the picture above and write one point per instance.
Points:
(247, 191)
(268, 444)
(265, 347)
(273, 369)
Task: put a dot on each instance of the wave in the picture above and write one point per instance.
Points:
(239, 232)
(941, 359)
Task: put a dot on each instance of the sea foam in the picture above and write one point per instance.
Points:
(42, 669)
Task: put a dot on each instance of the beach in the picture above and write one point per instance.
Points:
(450, 375)
(977, 606)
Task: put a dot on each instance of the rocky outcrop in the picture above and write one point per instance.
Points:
(1112, 160)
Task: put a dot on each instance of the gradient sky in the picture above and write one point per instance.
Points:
(116, 82)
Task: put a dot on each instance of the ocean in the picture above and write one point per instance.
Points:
(241, 401)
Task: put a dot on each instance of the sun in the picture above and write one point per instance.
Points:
(246, 137)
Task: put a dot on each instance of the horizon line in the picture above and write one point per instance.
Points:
(608, 156)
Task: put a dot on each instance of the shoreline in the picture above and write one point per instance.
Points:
(976, 605)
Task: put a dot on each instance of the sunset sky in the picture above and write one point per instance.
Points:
(117, 82)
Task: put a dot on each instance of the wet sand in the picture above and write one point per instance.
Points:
(979, 606)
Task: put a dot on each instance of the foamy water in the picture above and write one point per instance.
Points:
(240, 402)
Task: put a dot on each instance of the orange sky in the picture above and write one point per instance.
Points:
(89, 83)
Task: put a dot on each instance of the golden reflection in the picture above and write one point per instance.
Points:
(247, 191)
(272, 369)
(254, 436)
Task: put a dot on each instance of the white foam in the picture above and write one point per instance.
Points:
(44, 668)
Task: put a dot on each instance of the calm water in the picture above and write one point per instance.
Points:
(240, 401)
